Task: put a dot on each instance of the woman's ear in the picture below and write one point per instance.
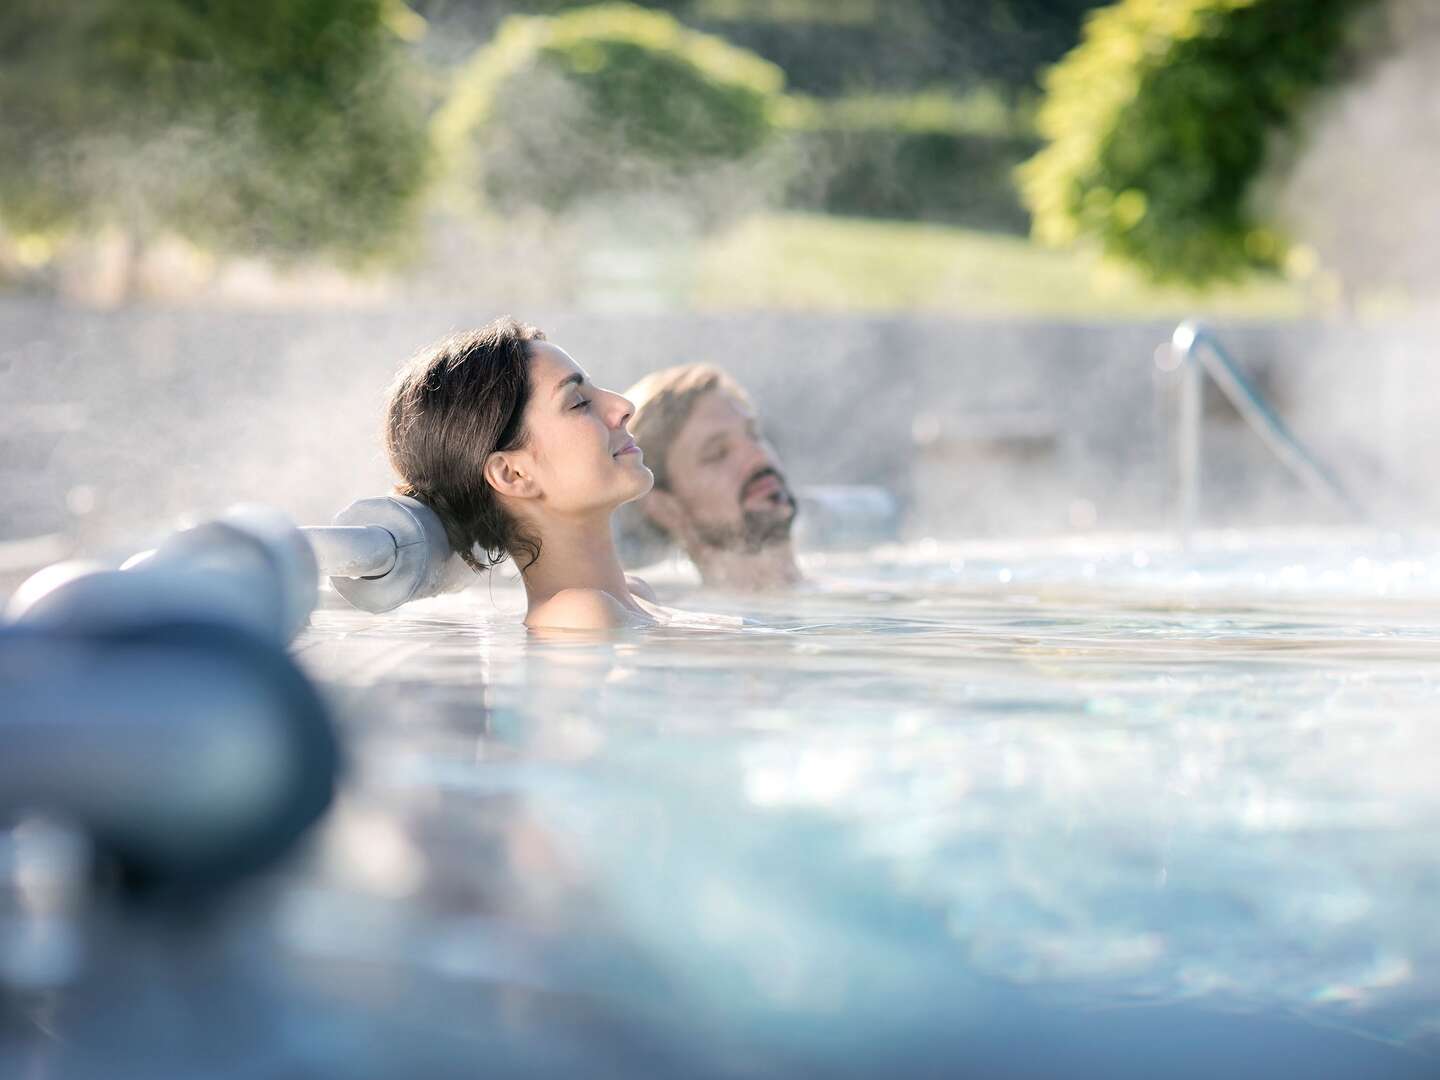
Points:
(504, 472)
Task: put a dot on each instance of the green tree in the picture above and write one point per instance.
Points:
(283, 127)
(605, 100)
(830, 47)
(1160, 120)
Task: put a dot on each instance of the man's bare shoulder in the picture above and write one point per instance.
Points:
(581, 609)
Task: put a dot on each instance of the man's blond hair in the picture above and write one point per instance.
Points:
(664, 400)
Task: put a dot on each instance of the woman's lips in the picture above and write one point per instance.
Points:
(629, 448)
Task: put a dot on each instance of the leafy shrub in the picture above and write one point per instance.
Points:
(836, 47)
(604, 100)
(1159, 121)
(929, 157)
(279, 126)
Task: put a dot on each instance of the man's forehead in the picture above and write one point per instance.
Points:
(713, 413)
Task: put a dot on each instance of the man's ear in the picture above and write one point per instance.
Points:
(504, 472)
(664, 510)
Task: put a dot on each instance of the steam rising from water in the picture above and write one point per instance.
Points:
(116, 423)
(1363, 191)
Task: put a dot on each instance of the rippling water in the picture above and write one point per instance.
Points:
(1067, 813)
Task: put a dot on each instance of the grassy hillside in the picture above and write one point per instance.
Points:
(828, 263)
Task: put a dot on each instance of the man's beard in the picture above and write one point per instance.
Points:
(757, 529)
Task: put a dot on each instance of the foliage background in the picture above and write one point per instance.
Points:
(603, 102)
(303, 132)
(1160, 122)
(278, 126)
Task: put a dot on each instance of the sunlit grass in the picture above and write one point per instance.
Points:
(983, 111)
(815, 262)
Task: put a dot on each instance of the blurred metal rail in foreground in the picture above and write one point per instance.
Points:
(153, 705)
(189, 752)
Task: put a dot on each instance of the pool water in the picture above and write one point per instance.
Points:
(1135, 810)
(1112, 811)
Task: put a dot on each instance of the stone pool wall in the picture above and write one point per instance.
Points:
(112, 424)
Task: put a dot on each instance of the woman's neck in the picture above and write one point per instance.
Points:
(576, 553)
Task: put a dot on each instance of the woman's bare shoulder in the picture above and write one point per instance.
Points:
(581, 609)
(641, 588)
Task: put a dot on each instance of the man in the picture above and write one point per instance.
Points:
(719, 492)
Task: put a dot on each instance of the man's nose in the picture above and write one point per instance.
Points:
(758, 453)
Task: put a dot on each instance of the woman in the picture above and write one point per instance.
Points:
(506, 438)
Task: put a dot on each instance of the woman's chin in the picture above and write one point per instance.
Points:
(642, 481)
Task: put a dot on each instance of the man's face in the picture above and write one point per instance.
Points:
(726, 478)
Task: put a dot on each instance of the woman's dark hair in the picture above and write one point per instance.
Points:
(451, 407)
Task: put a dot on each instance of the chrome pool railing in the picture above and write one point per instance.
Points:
(189, 750)
(154, 706)
(352, 551)
(155, 709)
(1196, 353)
(386, 551)
(253, 567)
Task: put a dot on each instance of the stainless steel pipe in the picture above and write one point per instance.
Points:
(190, 750)
(352, 551)
(1197, 354)
(422, 565)
(250, 568)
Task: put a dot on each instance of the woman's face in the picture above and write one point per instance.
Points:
(579, 453)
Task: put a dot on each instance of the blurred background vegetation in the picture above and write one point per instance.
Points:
(1159, 125)
(973, 156)
(280, 127)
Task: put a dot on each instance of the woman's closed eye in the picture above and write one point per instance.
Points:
(583, 403)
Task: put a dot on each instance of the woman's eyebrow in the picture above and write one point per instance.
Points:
(569, 380)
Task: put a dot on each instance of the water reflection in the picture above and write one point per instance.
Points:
(924, 829)
(831, 816)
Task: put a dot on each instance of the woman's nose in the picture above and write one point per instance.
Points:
(621, 410)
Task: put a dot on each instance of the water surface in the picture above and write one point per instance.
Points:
(1115, 813)
(1139, 812)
